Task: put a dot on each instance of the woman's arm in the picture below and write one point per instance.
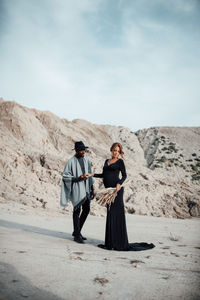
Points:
(98, 175)
(123, 171)
(94, 175)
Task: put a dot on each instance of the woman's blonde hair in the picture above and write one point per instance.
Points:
(121, 151)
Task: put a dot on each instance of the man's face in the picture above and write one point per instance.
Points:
(80, 153)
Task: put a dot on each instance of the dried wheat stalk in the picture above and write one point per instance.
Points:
(108, 195)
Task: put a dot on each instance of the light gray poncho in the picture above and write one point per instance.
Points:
(76, 191)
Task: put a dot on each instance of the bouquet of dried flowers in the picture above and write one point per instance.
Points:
(108, 195)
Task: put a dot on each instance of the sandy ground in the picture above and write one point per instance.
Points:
(40, 260)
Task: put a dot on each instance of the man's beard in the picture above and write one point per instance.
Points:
(79, 155)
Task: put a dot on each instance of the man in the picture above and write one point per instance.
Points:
(77, 188)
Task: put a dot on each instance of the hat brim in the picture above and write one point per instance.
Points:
(81, 148)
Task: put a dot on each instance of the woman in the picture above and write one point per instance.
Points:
(116, 234)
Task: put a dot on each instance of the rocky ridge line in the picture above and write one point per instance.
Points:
(162, 162)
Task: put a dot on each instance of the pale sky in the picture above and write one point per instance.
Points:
(133, 63)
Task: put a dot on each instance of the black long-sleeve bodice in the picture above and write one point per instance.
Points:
(111, 173)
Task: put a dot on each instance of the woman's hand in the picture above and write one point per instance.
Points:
(89, 175)
(85, 176)
(118, 187)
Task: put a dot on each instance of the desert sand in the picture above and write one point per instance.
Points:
(40, 260)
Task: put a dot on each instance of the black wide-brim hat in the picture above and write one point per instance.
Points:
(78, 146)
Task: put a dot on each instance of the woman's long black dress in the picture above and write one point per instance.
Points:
(116, 237)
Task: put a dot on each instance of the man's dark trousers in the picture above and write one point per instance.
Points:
(79, 219)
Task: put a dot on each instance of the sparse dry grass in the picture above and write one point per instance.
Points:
(173, 237)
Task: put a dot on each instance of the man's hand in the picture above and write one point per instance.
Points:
(83, 177)
(92, 194)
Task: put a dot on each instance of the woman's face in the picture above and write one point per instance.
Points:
(115, 152)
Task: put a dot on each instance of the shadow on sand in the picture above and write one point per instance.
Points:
(44, 231)
(14, 286)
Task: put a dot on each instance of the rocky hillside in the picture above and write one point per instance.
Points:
(163, 163)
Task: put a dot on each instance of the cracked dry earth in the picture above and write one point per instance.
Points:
(40, 260)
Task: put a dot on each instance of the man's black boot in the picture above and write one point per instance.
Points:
(83, 237)
(79, 239)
